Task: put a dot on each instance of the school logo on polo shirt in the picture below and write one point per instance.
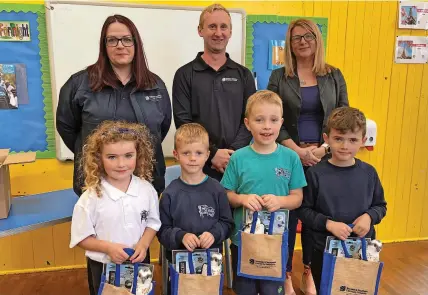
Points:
(229, 80)
(144, 215)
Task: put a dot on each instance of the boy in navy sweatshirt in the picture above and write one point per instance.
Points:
(343, 190)
(194, 209)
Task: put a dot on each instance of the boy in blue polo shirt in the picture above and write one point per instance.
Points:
(262, 175)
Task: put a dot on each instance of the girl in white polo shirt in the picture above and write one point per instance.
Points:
(119, 207)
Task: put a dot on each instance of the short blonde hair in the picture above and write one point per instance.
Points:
(211, 9)
(191, 133)
(320, 67)
(262, 96)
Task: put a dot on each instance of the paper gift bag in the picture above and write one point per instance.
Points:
(109, 289)
(196, 284)
(262, 256)
(349, 276)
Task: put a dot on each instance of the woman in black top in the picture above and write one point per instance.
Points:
(119, 86)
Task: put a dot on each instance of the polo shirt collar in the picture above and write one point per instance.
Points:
(200, 65)
(115, 194)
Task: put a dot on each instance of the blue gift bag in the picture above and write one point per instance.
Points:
(261, 256)
(346, 275)
(196, 284)
(108, 289)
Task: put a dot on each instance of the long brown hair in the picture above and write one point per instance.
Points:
(101, 73)
(112, 132)
(320, 67)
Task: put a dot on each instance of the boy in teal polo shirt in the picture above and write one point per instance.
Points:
(262, 175)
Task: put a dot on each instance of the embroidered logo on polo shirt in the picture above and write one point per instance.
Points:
(282, 172)
(229, 80)
(153, 97)
(206, 210)
(144, 215)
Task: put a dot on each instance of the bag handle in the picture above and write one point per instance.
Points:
(254, 222)
(363, 246)
(130, 252)
(192, 266)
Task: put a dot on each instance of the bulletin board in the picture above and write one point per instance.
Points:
(30, 127)
(261, 31)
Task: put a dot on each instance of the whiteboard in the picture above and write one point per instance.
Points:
(169, 36)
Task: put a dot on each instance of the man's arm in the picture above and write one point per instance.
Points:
(243, 136)
(181, 98)
(182, 103)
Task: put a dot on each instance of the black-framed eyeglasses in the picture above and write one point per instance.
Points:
(127, 41)
(297, 38)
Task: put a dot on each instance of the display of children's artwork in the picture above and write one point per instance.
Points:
(411, 49)
(8, 97)
(413, 15)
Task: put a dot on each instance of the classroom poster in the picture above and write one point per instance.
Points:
(411, 50)
(413, 15)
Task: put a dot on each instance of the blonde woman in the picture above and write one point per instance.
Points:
(310, 90)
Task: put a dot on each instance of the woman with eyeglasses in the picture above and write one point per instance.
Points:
(118, 86)
(310, 90)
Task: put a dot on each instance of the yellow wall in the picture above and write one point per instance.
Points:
(361, 40)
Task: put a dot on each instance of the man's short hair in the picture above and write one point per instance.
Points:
(346, 119)
(191, 133)
(262, 96)
(211, 9)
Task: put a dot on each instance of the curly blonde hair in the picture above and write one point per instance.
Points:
(112, 132)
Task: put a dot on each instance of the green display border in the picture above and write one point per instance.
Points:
(39, 9)
(252, 19)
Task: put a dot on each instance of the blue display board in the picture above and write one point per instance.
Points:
(30, 127)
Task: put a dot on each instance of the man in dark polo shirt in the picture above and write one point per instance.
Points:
(212, 90)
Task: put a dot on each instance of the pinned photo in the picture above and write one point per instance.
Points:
(413, 15)
(411, 50)
(8, 94)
